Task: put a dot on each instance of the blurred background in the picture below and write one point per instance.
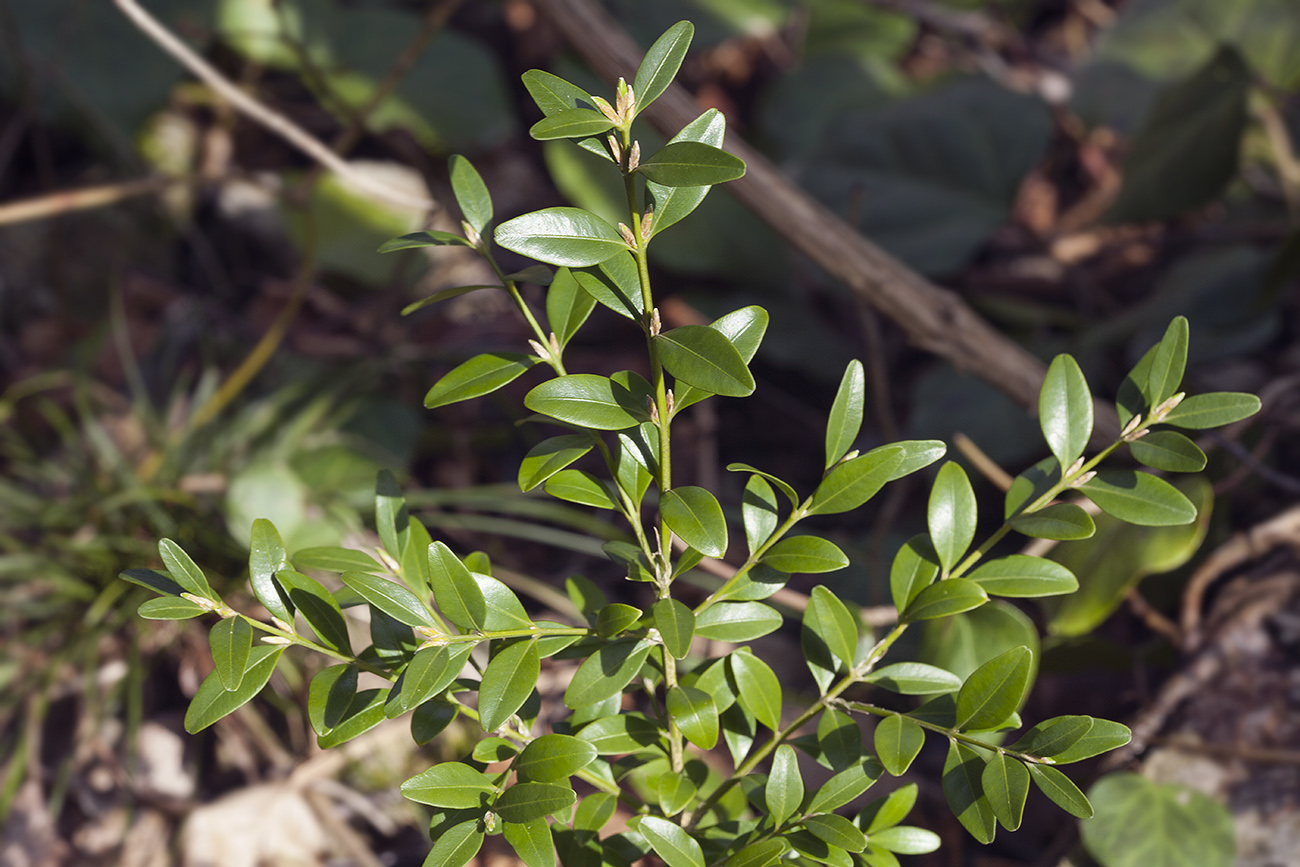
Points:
(196, 331)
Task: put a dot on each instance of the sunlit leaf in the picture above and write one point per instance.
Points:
(482, 374)
(561, 236)
(471, 193)
(695, 516)
(951, 515)
(213, 701)
(1065, 410)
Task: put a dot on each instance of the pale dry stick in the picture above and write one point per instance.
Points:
(988, 467)
(66, 201)
(934, 319)
(267, 117)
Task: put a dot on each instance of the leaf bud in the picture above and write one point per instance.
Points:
(554, 345)
(1074, 467)
(668, 402)
(634, 156)
(282, 626)
(607, 109)
(628, 237)
(656, 324)
(201, 601)
(1083, 479)
(541, 351)
(471, 234)
(615, 147)
(626, 100)
(276, 639)
(647, 221)
(1158, 414)
(1132, 425)
(652, 408)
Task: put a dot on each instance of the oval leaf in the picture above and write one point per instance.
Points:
(1065, 410)
(659, 66)
(836, 831)
(832, 621)
(532, 842)
(567, 305)
(587, 400)
(846, 413)
(759, 689)
(170, 608)
(671, 842)
(471, 193)
(213, 701)
(266, 556)
(231, 640)
(1169, 451)
(616, 617)
(453, 785)
(737, 621)
(1022, 576)
(695, 714)
(482, 374)
(1060, 521)
(508, 680)
(898, 741)
(318, 607)
(676, 625)
(455, 591)
(915, 567)
(606, 672)
(943, 599)
(951, 516)
(527, 802)
(549, 457)
(1168, 363)
(580, 486)
(850, 484)
(784, 790)
(914, 678)
(1203, 411)
(1062, 792)
(810, 554)
(570, 237)
(570, 123)
(994, 690)
(1054, 736)
(553, 757)
(695, 516)
(703, 357)
(691, 164)
(963, 788)
(389, 597)
(1140, 498)
(184, 571)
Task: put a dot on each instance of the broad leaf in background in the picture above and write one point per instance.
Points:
(963, 643)
(1139, 823)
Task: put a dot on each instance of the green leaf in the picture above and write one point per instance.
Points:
(695, 516)
(839, 740)
(914, 678)
(915, 567)
(1062, 792)
(831, 620)
(622, 733)
(550, 456)
(153, 580)
(739, 728)
(364, 712)
(906, 840)
(718, 682)
(888, 811)
(389, 597)
(587, 400)
(850, 484)
(392, 521)
(1169, 451)
(760, 582)
(231, 640)
(760, 691)
(527, 802)
(1022, 576)
(1186, 151)
(670, 842)
(561, 236)
(616, 283)
(917, 455)
(429, 238)
(846, 413)
(944, 599)
(1030, 486)
(503, 608)
(1168, 363)
(552, 757)
(1203, 411)
(615, 618)
(784, 790)
(811, 554)
(429, 672)
(1065, 410)
(761, 854)
(318, 607)
(695, 714)
(659, 66)
(703, 357)
(1103, 737)
(836, 831)
(676, 625)
(456, 846)
(1006, 785)
(606, 672)
(482, 374)
(737, 621)
(758, 511)
(570, 123)
(963, 788)
(580, 486)
(331, 559)
(845, 786)
(453, 785)
(184, 571)
(673, 204)
(1054, 736)
(213, 701)
(898, 740)
(1061, 521)
(553, 94)
(330, 695)
(951, 515)
(430, 720)
(266, 556)
(532, 842)
(691, 164)
(455, 591)
(567, 306)
(994, 690)
(1140, 498)
(508, 680)
(471, 193)
(170, 608)
(781, 486)
(446, 294)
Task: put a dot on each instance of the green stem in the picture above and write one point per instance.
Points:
(952, 734)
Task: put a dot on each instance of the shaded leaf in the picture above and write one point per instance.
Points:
(1104, 736)
(846, 413)
(553, 94)
(616, 617)
(695, 714)
(570, 123)
(266, 556)
(758, 511)
(670, 842)
(945, 599)
(471, 193)
(553, 757)
(673, 204)
(429, 238)
(231, 640)
(1054, 736)
(508, 681)
(616, 283)
(332, 559)
(845, 786)
(676, 625)
(760, 691)
(527, 802)
(532, 842)
(429, 672)
(704, 358)
(580, 486)
(550, 456)
(691, 164)
(1169, 451)
(170, 608)
(915, 567)
(1006, 785)
(811, 554)
(831, 620)
(851, 483)
(330, 695)
(1060, 521)
(622, 733)
(784, 790)
(364, 712)
(1061, 791)
(606, 672)
(781, 486)
(914, 678)
(567, 306)
(695, 516)
(318, 607)
(963, 788)
(184, 571)
(389, 597)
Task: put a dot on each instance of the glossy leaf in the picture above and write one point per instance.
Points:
(914, 678)
(1054, 736)
(676, 625)
(994, 690)
(615, 618)
(846, 413)
(429, 672)
(170, 608)
(898, 741)
(330, 695)
(213, 701)
(561, 236)
(888, 811)
(760, 691)
(1169, 451)
(764, 853)
(760, 582)
(471, 193)
(659, 66)
(781, 486)
(184, 571)
(508, 680)
(845, 786)
(567, 306)
(622, 733)
(453, 785)
(503, 608)
(527, 802)
(553, 94)
(266, 556)
(917, 455)
(606, 672)
(1130, 397)
(670, 842)
(1104, 736)
(1203, 411)
(532, 842)
(1065, 410)
(364, 712)
(586, 400)
(808, 554)
(739, 729)
(695, 714)
(231, 640)
(1061, 791)
(616, 283)
(691, 164)
(737, 621)
(673, 204)
(1061, 521)
(1022, 576)
(915, 567)
(1006, 786)
(1031, 485)
(482, 374)
(834, 623)
(1168, 363)
(457, 845)
(429, 238)
(944, 599)
(332, 559)
(951, 515)
(550, 456)
(455, 591)
(963, 788)
(318, 607)
(580, 486)
(389, 597)
(570, 123)
(836, 831)
(703, 357)
(906, 840)
(852, 483)
(1140, 498)
(784, 790)
(695, 516)
(553, 757)
(758, 511)
(839, 740)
